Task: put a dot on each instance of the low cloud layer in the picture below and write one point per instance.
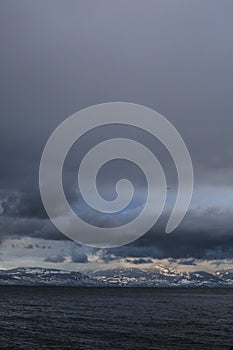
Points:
(204, 233)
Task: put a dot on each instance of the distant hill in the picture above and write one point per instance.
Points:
(40, 276)
(120, 277)
(164, 278)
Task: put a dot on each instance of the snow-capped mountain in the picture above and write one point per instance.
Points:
(164, 277)
(42, 276)
(119, 277)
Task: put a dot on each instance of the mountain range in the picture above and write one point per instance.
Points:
(36, 276)
(119, 277)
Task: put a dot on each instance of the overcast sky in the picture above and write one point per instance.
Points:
(174, 56)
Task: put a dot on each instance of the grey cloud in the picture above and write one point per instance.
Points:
(19, 227)
(204, 233)
(55, 259)
(105, 256)
(25, 205)
(62, 62)
(139, 261)
(59, 57)
(29, 246)
(222, 262)
(77, 255)
(187, 262)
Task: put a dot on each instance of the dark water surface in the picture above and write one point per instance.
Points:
(130, 318)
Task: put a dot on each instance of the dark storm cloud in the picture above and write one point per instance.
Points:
(176, 57)
(11, 227)
(25, 205)
(57, 58)
(203, 234)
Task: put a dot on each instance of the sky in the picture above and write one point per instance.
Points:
(59, 57)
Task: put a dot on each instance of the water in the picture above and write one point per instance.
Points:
(131, 318)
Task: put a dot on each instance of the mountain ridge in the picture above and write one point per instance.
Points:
(118, 277)
(45, 276)
(165, 278)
